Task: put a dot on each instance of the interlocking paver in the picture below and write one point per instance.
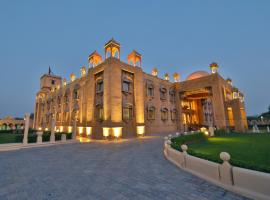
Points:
(134, 169)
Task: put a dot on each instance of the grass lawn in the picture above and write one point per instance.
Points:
(250, 151)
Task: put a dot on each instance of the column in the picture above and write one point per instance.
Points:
(52, 137)
(26, 129)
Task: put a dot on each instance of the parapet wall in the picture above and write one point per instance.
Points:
(249, 183)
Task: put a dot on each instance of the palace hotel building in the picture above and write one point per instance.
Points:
(112, 98)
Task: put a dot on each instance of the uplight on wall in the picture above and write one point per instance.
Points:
(140, 130)
(106, 131)
(88, 130)
(70, 129)
(117, 132)
(80, 130)
(61, 128)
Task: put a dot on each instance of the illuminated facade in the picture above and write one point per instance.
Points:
(113, 98)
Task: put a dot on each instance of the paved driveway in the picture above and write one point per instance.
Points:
(134, 169)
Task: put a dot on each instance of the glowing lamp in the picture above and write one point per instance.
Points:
(80, 130)
(72, 77)
(88, 130)
(117, 132)
(106, 131)
(70, 129)
(140, 130)
(61, 128)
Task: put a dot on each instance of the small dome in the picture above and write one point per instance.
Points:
(197, 74)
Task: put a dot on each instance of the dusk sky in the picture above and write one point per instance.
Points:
(174, 36)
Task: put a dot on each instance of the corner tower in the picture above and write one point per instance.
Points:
(112, 49)
(135, 59)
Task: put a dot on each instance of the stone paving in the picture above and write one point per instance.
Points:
(134, 169)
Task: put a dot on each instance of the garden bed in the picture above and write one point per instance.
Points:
(11, 137)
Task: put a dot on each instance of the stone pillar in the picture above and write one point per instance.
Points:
(268, 129)
(225, 169)
(52, 137)
(211, 131)
(63, 137)
(74, 129)
(184, 149)
(39, 137)
(26, 129)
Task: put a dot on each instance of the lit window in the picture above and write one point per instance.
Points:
(127, 112)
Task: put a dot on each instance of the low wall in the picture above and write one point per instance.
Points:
(249, 183)
(19, 146)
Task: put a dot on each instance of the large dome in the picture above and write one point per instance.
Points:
(197, 74)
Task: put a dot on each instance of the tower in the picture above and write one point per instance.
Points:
(112, 49)
(135, 59)
(176, 77)
(213, 67)
(94, 59)
(49, 81)
(155, 72)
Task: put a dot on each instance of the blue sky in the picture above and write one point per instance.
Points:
(174, 36)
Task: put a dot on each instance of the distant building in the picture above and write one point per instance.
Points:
(9, 123)
(115, 98)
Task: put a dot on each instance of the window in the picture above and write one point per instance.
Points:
(126, 86)
(173, 114)
(164, 114)
(99, 113)
(151, 113)
(163, 93)
(172, 96)
(66, 99)
(99, 88)
(75, 94)
(53, 82)
(127, 112)
(59, 100)
(150, 91)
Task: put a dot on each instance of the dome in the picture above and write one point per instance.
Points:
(197, 74)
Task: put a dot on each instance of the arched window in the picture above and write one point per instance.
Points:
(75, 95)
(151, 113)
(163, 93)
(172, 95)
(173, 114)
(164, 114)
